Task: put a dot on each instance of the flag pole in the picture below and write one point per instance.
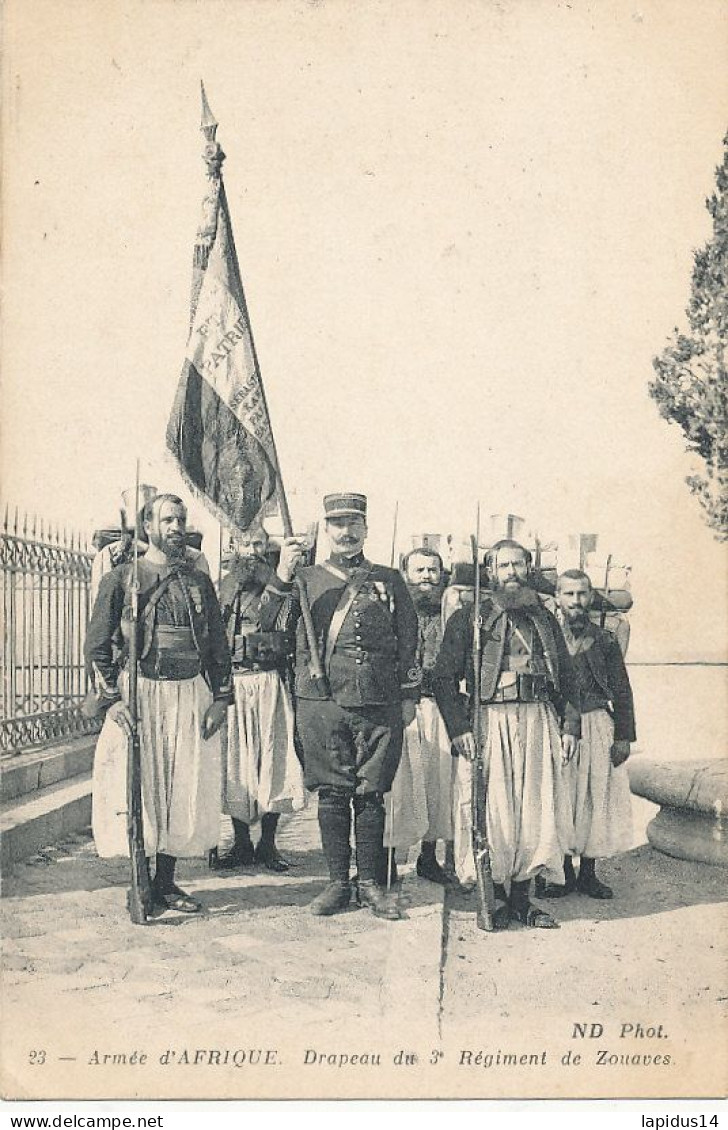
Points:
(214, 157)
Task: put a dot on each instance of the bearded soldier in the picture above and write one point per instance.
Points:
(120, 552)
(600, 793)
(183, 695)
(529, 700)
(366, 627)
(421, 798)
(261, 773)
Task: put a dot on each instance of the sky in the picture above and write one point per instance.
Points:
(464, 232)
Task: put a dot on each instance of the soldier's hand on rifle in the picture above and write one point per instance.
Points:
(568, 747)
(464, 746)
(619, 753)
(215, 715)
(408, 711)
(292, 552)
(120, 714)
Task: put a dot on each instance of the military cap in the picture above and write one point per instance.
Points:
(345, 505)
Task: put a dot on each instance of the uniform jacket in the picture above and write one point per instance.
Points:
(121, 553)
(603, 681)
(373, 660)
(240, 604)
(203, 616)
(429, 641)
(455, 663)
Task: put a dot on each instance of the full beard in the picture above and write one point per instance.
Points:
(171, 550)
(515, 597)
(427, 600)
(251, 574)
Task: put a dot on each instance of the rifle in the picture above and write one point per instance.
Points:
(603, 612)
(479, 780)
(140, 895)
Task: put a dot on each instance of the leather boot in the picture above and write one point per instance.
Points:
(369, 832)
(266, 852)
(241, 854)
(334, 817)
(557, 890)
(428, 868)
(527, 913)
(165, 892)
(449, 864)
(382, 903)
(588, 884)
(334, 898)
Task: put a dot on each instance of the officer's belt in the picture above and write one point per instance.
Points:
(354, 651)
(525, 688)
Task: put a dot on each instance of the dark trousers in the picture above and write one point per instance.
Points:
(357, 749)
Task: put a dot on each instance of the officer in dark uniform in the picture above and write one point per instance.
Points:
(366, 628)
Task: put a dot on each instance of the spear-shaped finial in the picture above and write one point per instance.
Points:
(208, 122)
(213, 154)
(7, 515)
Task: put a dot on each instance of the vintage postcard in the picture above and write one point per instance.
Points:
(413, 261)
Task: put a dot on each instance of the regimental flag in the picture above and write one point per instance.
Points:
(219, 429)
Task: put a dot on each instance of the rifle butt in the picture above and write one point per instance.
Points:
(139, 899)
(485, 916)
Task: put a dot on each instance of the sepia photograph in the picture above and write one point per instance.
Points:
(364, 465)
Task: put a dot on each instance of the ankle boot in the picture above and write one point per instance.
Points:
(241, 854)
(428, 868)
(382, 903)
(588, 884)
(525, 912)
(266, 852)
(557, 890)
(333, 898)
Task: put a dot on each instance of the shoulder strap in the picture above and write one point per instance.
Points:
(348, 595)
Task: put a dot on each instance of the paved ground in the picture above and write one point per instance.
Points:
(648, 969)
(256, 971)
(236, 1003)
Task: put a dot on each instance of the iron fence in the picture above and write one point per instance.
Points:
(46, 577)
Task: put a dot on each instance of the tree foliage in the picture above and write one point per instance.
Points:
(690, 386)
